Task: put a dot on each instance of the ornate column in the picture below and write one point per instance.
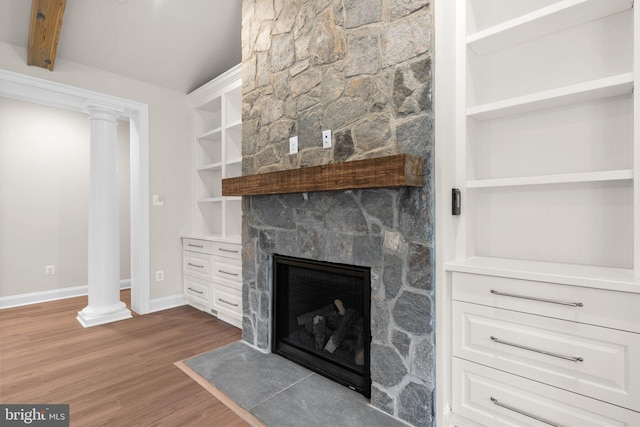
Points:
(104, 250)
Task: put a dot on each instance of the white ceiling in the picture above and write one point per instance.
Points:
(177, 44)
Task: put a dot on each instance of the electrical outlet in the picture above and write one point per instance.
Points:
(326, 139)
(157, 200)
(159, 275)
(49, 270)
(293, 145)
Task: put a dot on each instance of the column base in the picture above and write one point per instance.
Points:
(92, 317)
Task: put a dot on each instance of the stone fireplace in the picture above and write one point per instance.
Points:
(361, 68)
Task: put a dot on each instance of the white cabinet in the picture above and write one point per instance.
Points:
(212, 273)
(217, 155)
(588, 359)
(211, 257)
(541, 287)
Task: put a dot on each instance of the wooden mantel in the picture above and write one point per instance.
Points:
(400, 170)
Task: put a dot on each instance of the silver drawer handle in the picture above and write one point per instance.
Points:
(195, 246)
(195, 265)
(227, 250)
(504, 294)
(226, 272)
(526, 414)
(524, 347)
(197, 292)
(227, 302)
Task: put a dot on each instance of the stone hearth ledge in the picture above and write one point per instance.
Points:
(268, 390)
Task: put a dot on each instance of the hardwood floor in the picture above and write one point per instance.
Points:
(120, 374)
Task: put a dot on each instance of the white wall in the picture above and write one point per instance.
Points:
(44, 181)
(124, 187)
(170, 130)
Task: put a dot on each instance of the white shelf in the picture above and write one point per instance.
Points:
(236, 123)
(233, 198)
(616, 175)
(620, 279)
(595, 89)
(210, 167)
(211, 200)
(212, 135)
(562, 15)
(234, 161)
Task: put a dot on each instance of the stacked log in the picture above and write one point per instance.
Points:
(336, 330)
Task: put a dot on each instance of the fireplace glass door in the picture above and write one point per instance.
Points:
(321, 318)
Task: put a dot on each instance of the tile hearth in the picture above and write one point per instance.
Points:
(281, 393)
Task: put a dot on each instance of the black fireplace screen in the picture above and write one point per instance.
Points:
(321, 318)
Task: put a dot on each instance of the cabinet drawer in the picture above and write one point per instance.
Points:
(227, 301)
(196, 290)
(228, 272)
(481, 393)
(195, 245)
(594, 361)
(227, 250)
(196, 264)
(587, 305)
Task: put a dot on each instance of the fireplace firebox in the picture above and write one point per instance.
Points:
(321, 318)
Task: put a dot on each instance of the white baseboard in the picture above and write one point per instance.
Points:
(165, 303)
(52, 295)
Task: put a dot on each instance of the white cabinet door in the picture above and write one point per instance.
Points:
(495, 398)
(593, 361)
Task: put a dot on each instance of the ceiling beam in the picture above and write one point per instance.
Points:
(44, 32)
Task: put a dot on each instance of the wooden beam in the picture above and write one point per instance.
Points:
(44, 32)
(400, 170)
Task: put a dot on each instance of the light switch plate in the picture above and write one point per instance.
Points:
(293, 145)
(326, 139)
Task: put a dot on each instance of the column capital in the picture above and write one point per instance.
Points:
(102, 111)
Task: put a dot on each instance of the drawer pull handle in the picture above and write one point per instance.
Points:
(195, 265)
(227, 302)
(524, 347)
(227, 250)
(197, 292)
(526, 414)
(195, 246)
(226, 272)
(571, 304)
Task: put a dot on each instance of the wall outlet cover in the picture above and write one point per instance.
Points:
(49, 270)
(159, 275)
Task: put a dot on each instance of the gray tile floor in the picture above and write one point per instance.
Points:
(282, 393)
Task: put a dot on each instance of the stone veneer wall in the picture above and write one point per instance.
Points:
(361, 68)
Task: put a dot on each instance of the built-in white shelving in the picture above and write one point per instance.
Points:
(601, 176)
(546, 155)
(556, 17)
(516, 177)
(217, 155)
(586, 91)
